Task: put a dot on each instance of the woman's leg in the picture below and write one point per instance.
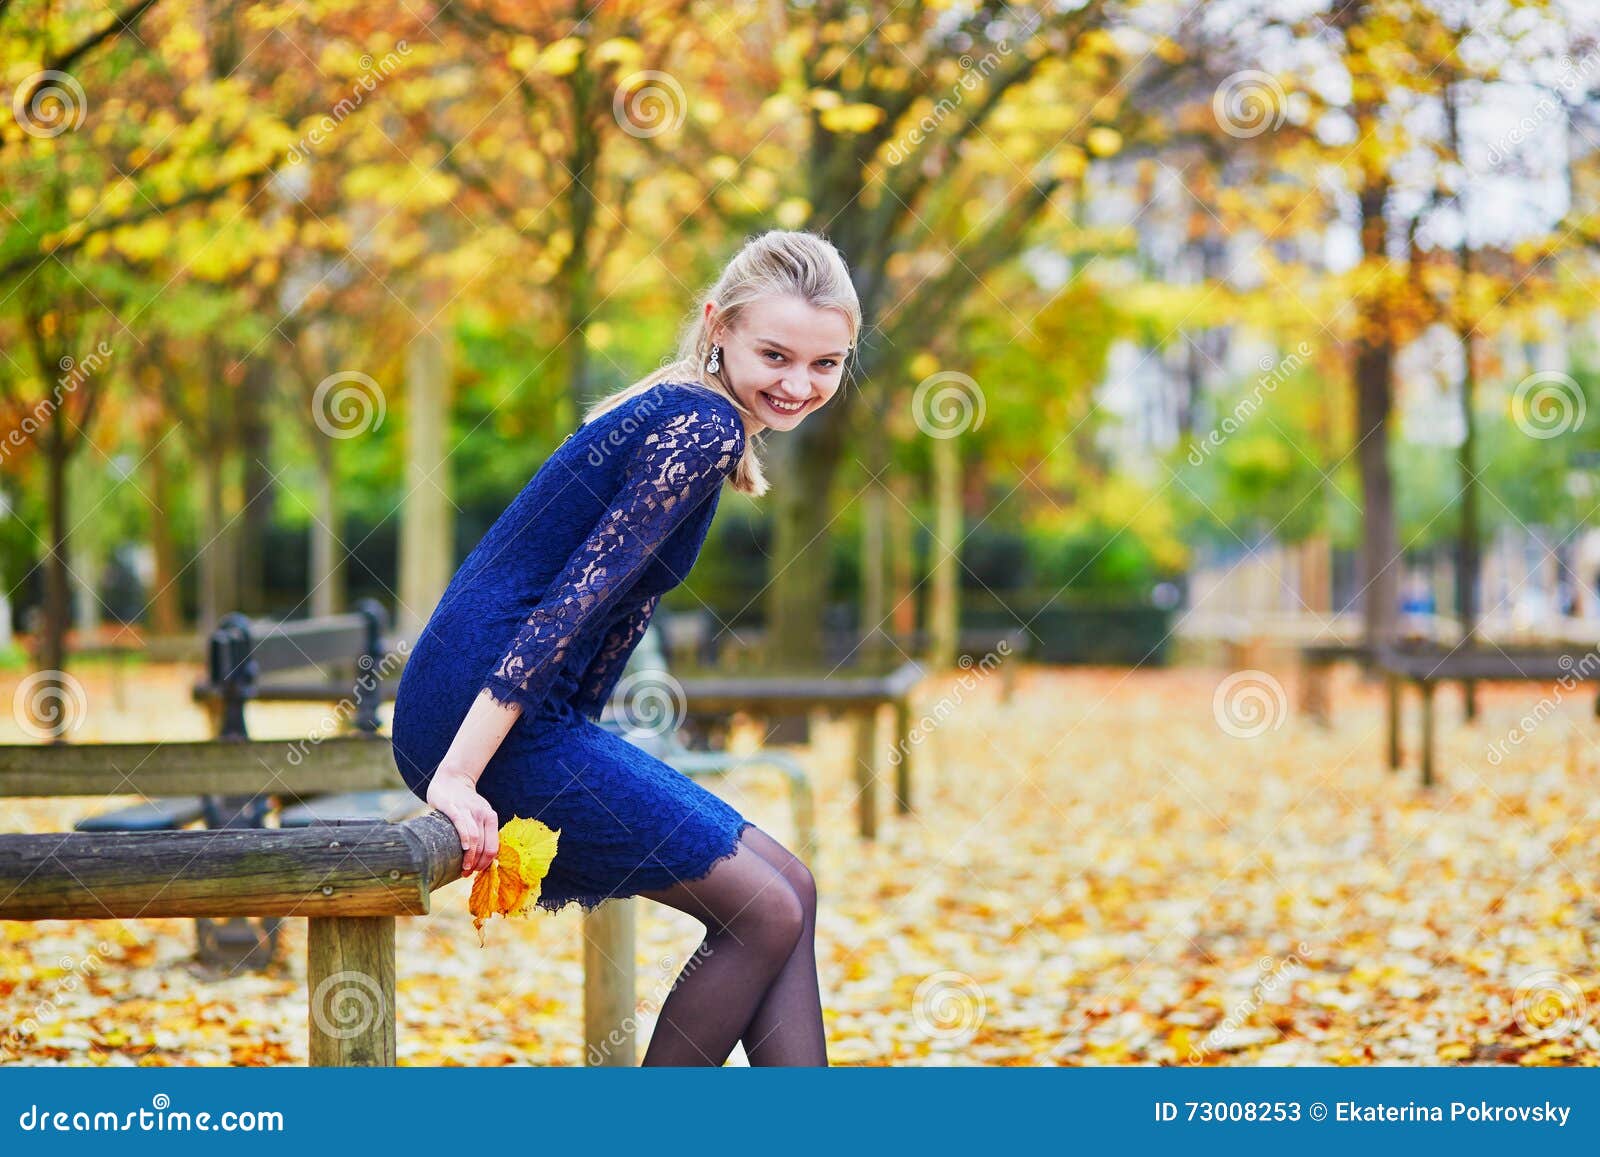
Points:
(787, 1026)
(753, 921)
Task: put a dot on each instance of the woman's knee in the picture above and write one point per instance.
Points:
(802, 883)
(791, 867)
(774, 917)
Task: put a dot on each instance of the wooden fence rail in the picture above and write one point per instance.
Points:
(349, 880)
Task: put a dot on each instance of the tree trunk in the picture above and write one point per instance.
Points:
(166, 607)
(327, 576)
(944, 579)
(255, 442)
(801, 466)
(1374, 383)
(425, 522)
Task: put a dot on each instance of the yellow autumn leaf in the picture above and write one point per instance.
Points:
(510, 885)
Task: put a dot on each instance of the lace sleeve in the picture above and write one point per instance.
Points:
(600, 680)
(679, 465)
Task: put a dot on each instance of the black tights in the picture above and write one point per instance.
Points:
(754, 977)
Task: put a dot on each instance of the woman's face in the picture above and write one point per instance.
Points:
(784, 359)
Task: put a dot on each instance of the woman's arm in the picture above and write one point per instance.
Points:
(678, 464)
(454, 788)
(600, 680)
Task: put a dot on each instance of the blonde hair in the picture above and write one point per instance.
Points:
(777, 263)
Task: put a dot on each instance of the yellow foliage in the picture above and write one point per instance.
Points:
(561, 58)
(1104, 142)
(851, 118)
(510, 885)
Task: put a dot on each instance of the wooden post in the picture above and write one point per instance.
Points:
(866, 759)
(1427, 733)
(1392, 685)
(350, 975)
(902, 769)
(609, 1029)
(1314, 694)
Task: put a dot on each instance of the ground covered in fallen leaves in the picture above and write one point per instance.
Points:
(1109, 868)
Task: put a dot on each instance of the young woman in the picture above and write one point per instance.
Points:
(495, 713)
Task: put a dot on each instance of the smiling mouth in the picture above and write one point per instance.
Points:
(781, 406)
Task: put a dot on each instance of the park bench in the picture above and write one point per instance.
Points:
(239, 653)
(858, 696)
(1425, 665)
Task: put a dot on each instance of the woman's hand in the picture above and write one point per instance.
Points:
(455, 794)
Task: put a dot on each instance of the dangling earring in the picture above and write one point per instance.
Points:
(715, 363)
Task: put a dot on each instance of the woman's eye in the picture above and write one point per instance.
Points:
(776, 354)
(829, 363)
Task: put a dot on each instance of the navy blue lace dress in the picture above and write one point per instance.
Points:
(545, 611)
